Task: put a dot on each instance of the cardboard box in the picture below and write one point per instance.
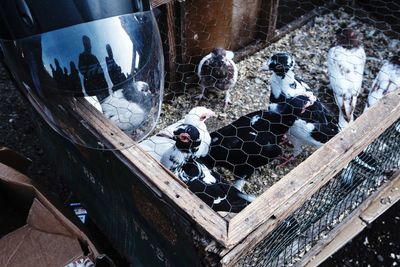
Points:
(33, 232)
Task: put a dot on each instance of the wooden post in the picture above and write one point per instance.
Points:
(267, 19)
(171, 42)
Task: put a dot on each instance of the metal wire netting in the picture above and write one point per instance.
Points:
(267, 70)
(330, 205)
(246, 34)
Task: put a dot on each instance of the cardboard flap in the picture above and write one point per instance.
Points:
(14, 159)
(9, 174)
(29, 247)
(42, 219)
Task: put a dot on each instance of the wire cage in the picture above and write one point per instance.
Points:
(255, 30)
(328, 207)
(299, 208)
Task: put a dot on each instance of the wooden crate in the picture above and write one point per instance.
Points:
(153, 219)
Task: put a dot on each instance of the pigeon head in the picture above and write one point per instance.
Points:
(198, 115)
(218, 54)
(346, 37)
(395, 59)
(280, 63)
(187, 138)
(297, 105)
(142, 86)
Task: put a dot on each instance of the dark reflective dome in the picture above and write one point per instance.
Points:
(115, 64)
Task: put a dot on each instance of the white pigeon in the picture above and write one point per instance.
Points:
(346, 61)
(218, 72)
(128, 107)
(387, 80)
(158, 144)
(126, 114)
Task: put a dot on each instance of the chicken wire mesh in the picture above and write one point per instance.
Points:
(330, 205)
(244, 61)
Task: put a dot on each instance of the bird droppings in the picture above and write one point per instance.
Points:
(309, 45)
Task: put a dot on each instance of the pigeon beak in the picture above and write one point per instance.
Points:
(309, 103)
(229, 54)
(210, 114)
(206, 115)
(264, 67)
(184, 137)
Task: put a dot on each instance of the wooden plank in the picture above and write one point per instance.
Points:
(156, 3)
(171, 42)
(384, 202)
(149, 171)
(366, 213)
(273, 36)
(294, 189)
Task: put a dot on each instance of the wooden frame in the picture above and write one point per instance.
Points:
(251, 225)
(157, 3)
(241, 233)
(231, 238)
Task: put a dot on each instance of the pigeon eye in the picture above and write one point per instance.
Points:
(279, 67)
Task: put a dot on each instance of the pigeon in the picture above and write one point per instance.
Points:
(346, 61)
(205, 183)
(139, 93)
(253, 140)
(157, 144)
(128, 107)
(127, 115)
(388, 80)
(218, 72)
(316, 125)
(284, 83)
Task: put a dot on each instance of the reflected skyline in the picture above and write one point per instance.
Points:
(100, 46)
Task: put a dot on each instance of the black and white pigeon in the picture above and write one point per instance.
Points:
(158, 144)
(218, 72)
(139, 93)
(387, 80)
(346, 61)
(316, 125)
(284, 83)
(253, 140)
(128, 107)
(205, 183)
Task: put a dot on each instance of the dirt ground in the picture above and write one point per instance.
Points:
(378, 245)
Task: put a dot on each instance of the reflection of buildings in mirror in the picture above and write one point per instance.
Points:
(70, 83)
(114, 70)
(75, 81)
(94, 80)
(58, 75)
